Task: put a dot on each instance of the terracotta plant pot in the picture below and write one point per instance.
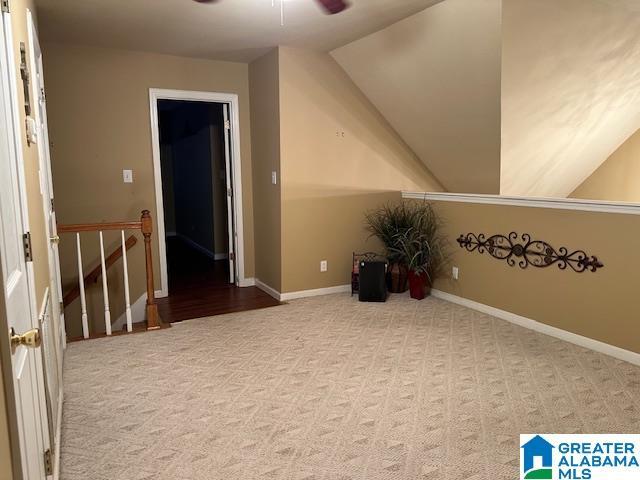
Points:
(397, 278)
(419, 286)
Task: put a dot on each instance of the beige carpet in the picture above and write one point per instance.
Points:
(335, 389)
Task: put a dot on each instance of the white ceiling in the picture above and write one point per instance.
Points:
(236, 30)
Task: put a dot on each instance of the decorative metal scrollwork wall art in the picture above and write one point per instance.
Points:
(521, 250)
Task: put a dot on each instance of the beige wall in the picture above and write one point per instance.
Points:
(618, 178)
(326, 224)
(435, 76)
(98, 102)
(339, 157)
(264, 85)
(603, 305)
(570, 90)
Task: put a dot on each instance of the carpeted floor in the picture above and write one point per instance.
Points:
(331, 388)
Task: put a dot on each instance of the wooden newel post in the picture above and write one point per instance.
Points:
(153, 319)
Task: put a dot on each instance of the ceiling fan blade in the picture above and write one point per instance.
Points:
(334, 6)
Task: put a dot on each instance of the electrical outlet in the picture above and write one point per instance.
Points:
(324, 266)
(455, 273)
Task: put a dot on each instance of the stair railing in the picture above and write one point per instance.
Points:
(144, 225)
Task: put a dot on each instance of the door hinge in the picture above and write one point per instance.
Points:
(53, 208)
(48, 462)
(227, 125)
(5, 6)
(232, 256)
(61, 306)
(229, 192)
(26, 242)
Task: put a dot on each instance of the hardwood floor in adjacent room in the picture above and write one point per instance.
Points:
(199, 287)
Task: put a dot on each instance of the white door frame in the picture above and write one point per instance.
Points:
(46, 175)
(231, 99)
(50, 307)
(6, 52)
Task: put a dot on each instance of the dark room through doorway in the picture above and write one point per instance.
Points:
(195, 194)
(196, 163)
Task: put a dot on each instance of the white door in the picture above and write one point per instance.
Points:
(52, 318)
(24, 360)
(227, 163)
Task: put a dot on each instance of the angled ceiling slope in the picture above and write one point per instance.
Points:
(435, 76)
(235, 30)
(570, 90)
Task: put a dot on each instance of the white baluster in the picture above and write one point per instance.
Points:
(105, 288)
(83, 299)
(127, 300)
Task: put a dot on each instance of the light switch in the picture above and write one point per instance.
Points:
(32, 130)
(274, 178)
(127, 176)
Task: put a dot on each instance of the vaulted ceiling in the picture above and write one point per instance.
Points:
(570, 90)
(519, 97)
(236, 30)
(435, 76)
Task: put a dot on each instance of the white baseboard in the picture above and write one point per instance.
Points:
(247, 282)
(267, 289)
(616, 352)
(315, 293)
(282, 297)
(138, 311)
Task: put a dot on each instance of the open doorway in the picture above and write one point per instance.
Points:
(212, 102)
(197, 175)
(195, 188)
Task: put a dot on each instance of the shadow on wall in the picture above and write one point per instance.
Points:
(326, 224)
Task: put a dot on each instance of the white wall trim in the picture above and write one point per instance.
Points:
(283, 297)
(616, 352)
(138, 312)
(231, 99)
(247, 282)
(534, 202)
(267, 289)
(315, 292)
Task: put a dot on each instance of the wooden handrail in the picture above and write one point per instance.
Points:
(97, 227)
(93, 276)
(145, 225)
